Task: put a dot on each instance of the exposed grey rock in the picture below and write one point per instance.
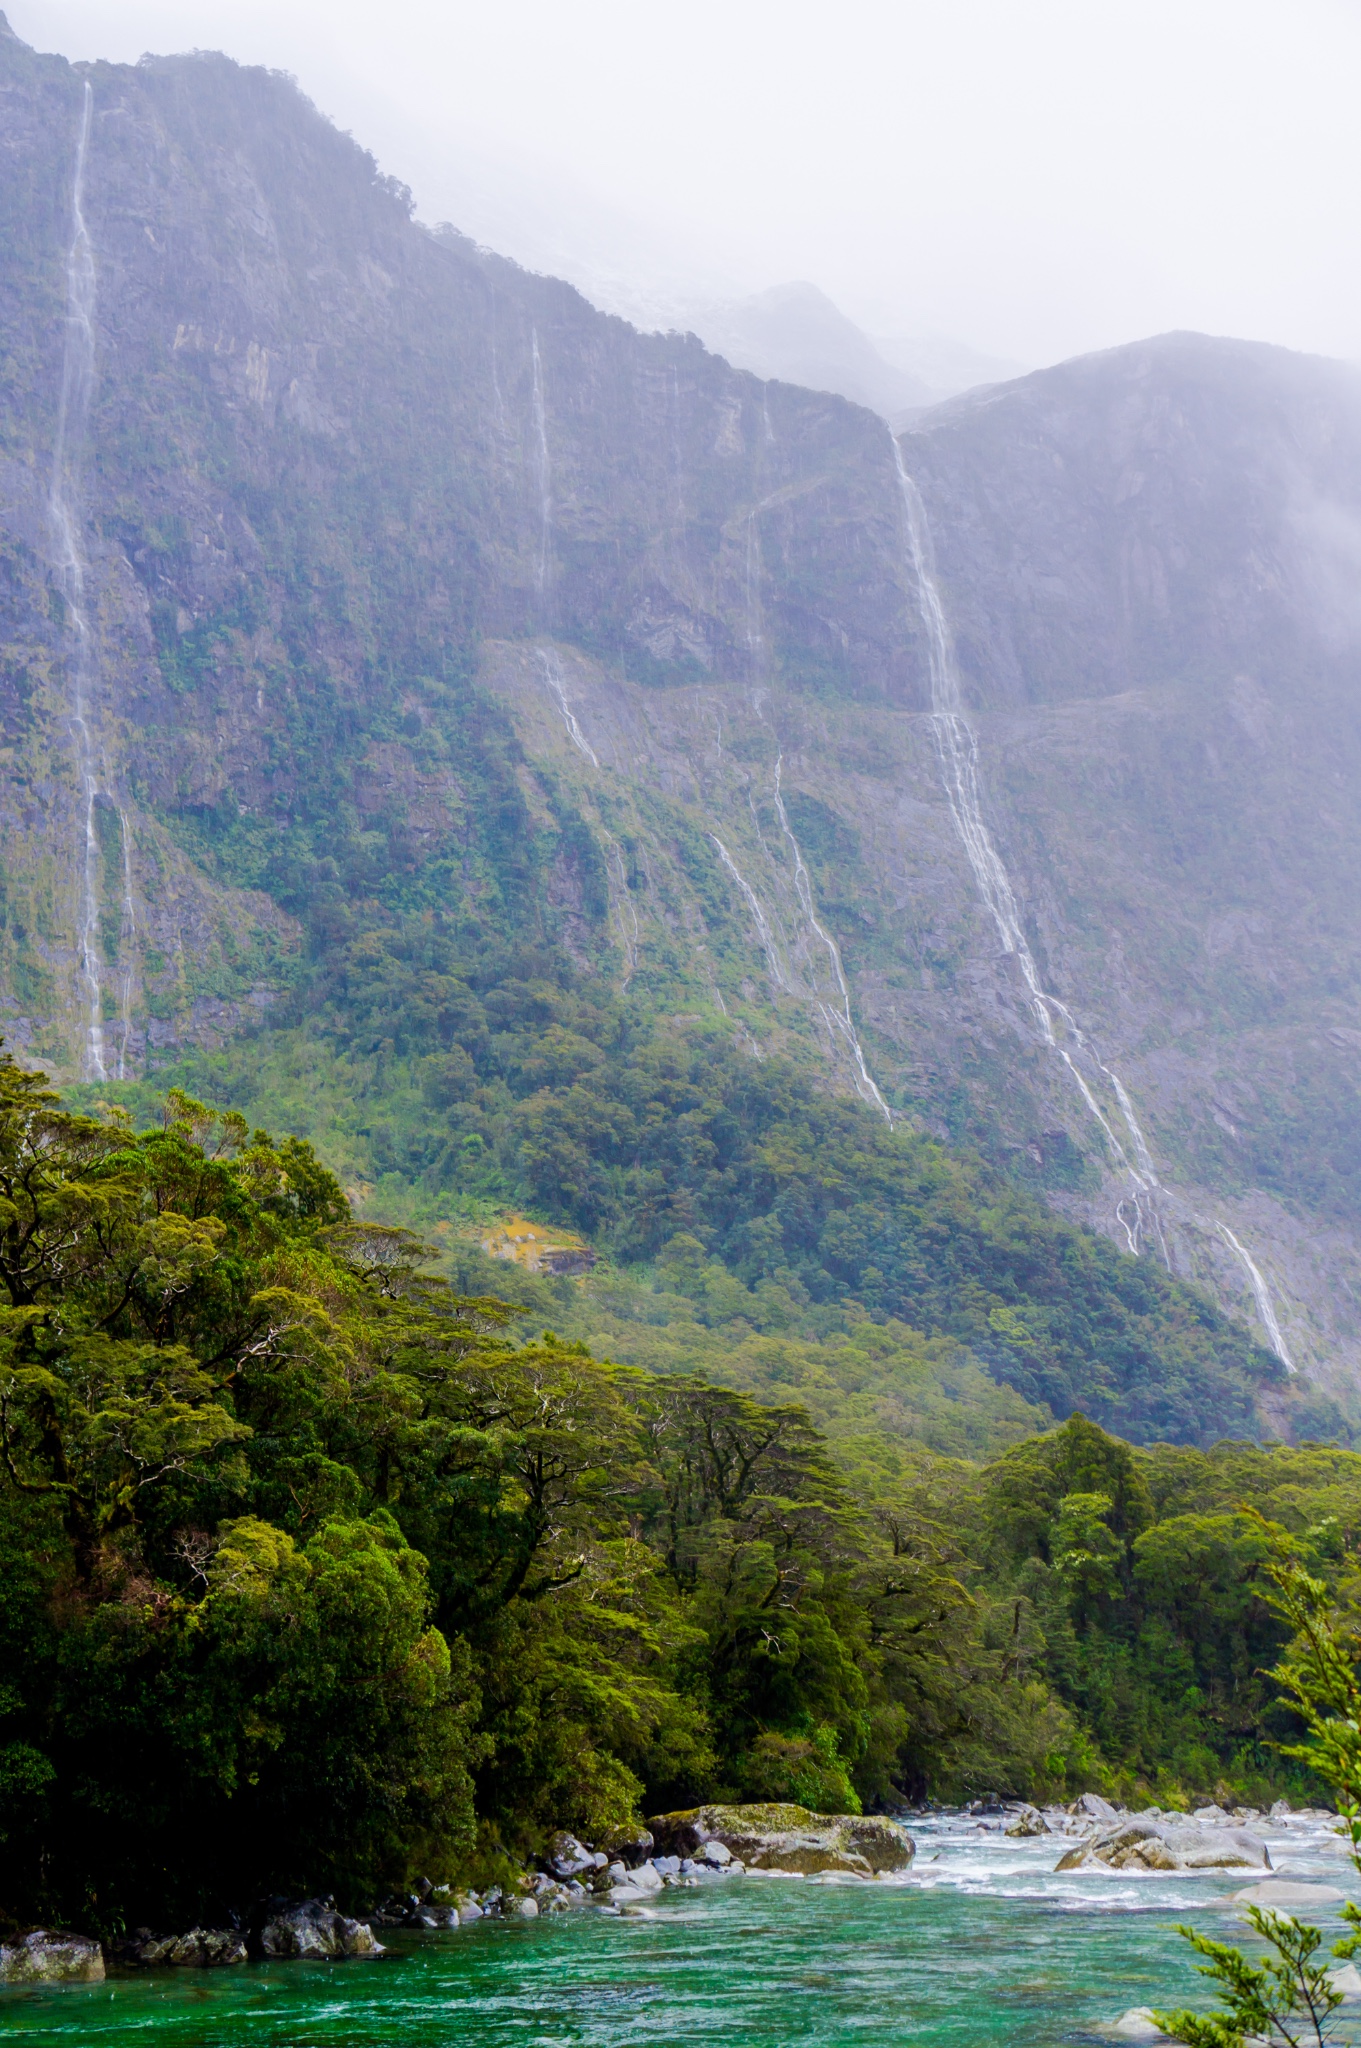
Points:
(1029, 1821)
(631, 1843)
(786, 1837)
(49, 1956)
(1091, 1806)
(1285, 1895)
(202, 1948)
(1138, 2024)
(567, 1857)
(1139, 1844)
(527, 1908)
(312, 1930)
(716, 1852)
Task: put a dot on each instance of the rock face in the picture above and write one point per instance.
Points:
(202, 1948)
(1136, 1844)
(312, 1930)
(777, 1837)
(1147, 559)
(46, 1957)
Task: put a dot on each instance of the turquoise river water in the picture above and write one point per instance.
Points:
(980, 1943)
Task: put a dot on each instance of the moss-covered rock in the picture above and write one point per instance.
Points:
(783, 1837)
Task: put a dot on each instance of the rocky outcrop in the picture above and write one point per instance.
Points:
(780, 1837)
(311, 1930)
(1139, 1844)
(202, 1948)
(49, 1957)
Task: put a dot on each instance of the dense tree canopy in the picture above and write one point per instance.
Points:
(316, 1572)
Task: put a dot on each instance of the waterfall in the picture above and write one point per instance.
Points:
(557, 684)
(764, 933)
(838, 1020)
(542, 470)
(65, 519)
(957, 753)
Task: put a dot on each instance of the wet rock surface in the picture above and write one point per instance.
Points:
(310, 1930)
(48, 1956)
(202, 1948)
(1137, 1843)
(785, 1837)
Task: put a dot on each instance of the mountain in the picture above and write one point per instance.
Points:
(795, 333)
(549, 764)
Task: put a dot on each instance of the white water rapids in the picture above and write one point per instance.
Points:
(957, 751)
(66, 522)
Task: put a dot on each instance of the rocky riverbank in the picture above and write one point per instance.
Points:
(623, 1874)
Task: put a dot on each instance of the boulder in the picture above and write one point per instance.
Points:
(311, 1930)
(528, 1909)
(780, 1837)
(1091, 1806)
(1139, 1844)
(567, 1857)
(1138, 2024)
(202, 1948)
(1029, 1821)
(1284, 1895)
(47, 1956)
(631, 1844)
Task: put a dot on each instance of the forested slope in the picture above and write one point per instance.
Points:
(313, 1579)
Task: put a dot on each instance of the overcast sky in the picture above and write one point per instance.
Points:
(1037, 177)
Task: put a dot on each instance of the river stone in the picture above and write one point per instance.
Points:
(786, 1837)
(1091, 1806)
(313, 1931)
(1029, 1821)
(567, 1857)
(50, 1957)
(1138, 2024)
(632, 1843)
(1346, 1980)
(1139, 1844)
(202, 1948)
(1281, 1895)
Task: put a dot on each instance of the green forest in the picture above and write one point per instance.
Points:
(295, 1529)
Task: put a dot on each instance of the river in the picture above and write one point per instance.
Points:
(980, 1943)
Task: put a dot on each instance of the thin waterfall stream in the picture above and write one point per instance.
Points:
(957, 752)
(65, 517)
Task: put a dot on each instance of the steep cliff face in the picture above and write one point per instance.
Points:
(1149, 564)
(357, 584)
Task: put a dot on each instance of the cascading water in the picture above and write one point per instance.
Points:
(778, 972)
(64, 515)
(629, 929)
(835, 1017)
(557, 684)
(542, 469)
(838, 1020)
(957, 752)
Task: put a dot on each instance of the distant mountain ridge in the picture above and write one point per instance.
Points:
(440, 643)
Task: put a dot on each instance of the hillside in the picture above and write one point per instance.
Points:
(509, 749)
